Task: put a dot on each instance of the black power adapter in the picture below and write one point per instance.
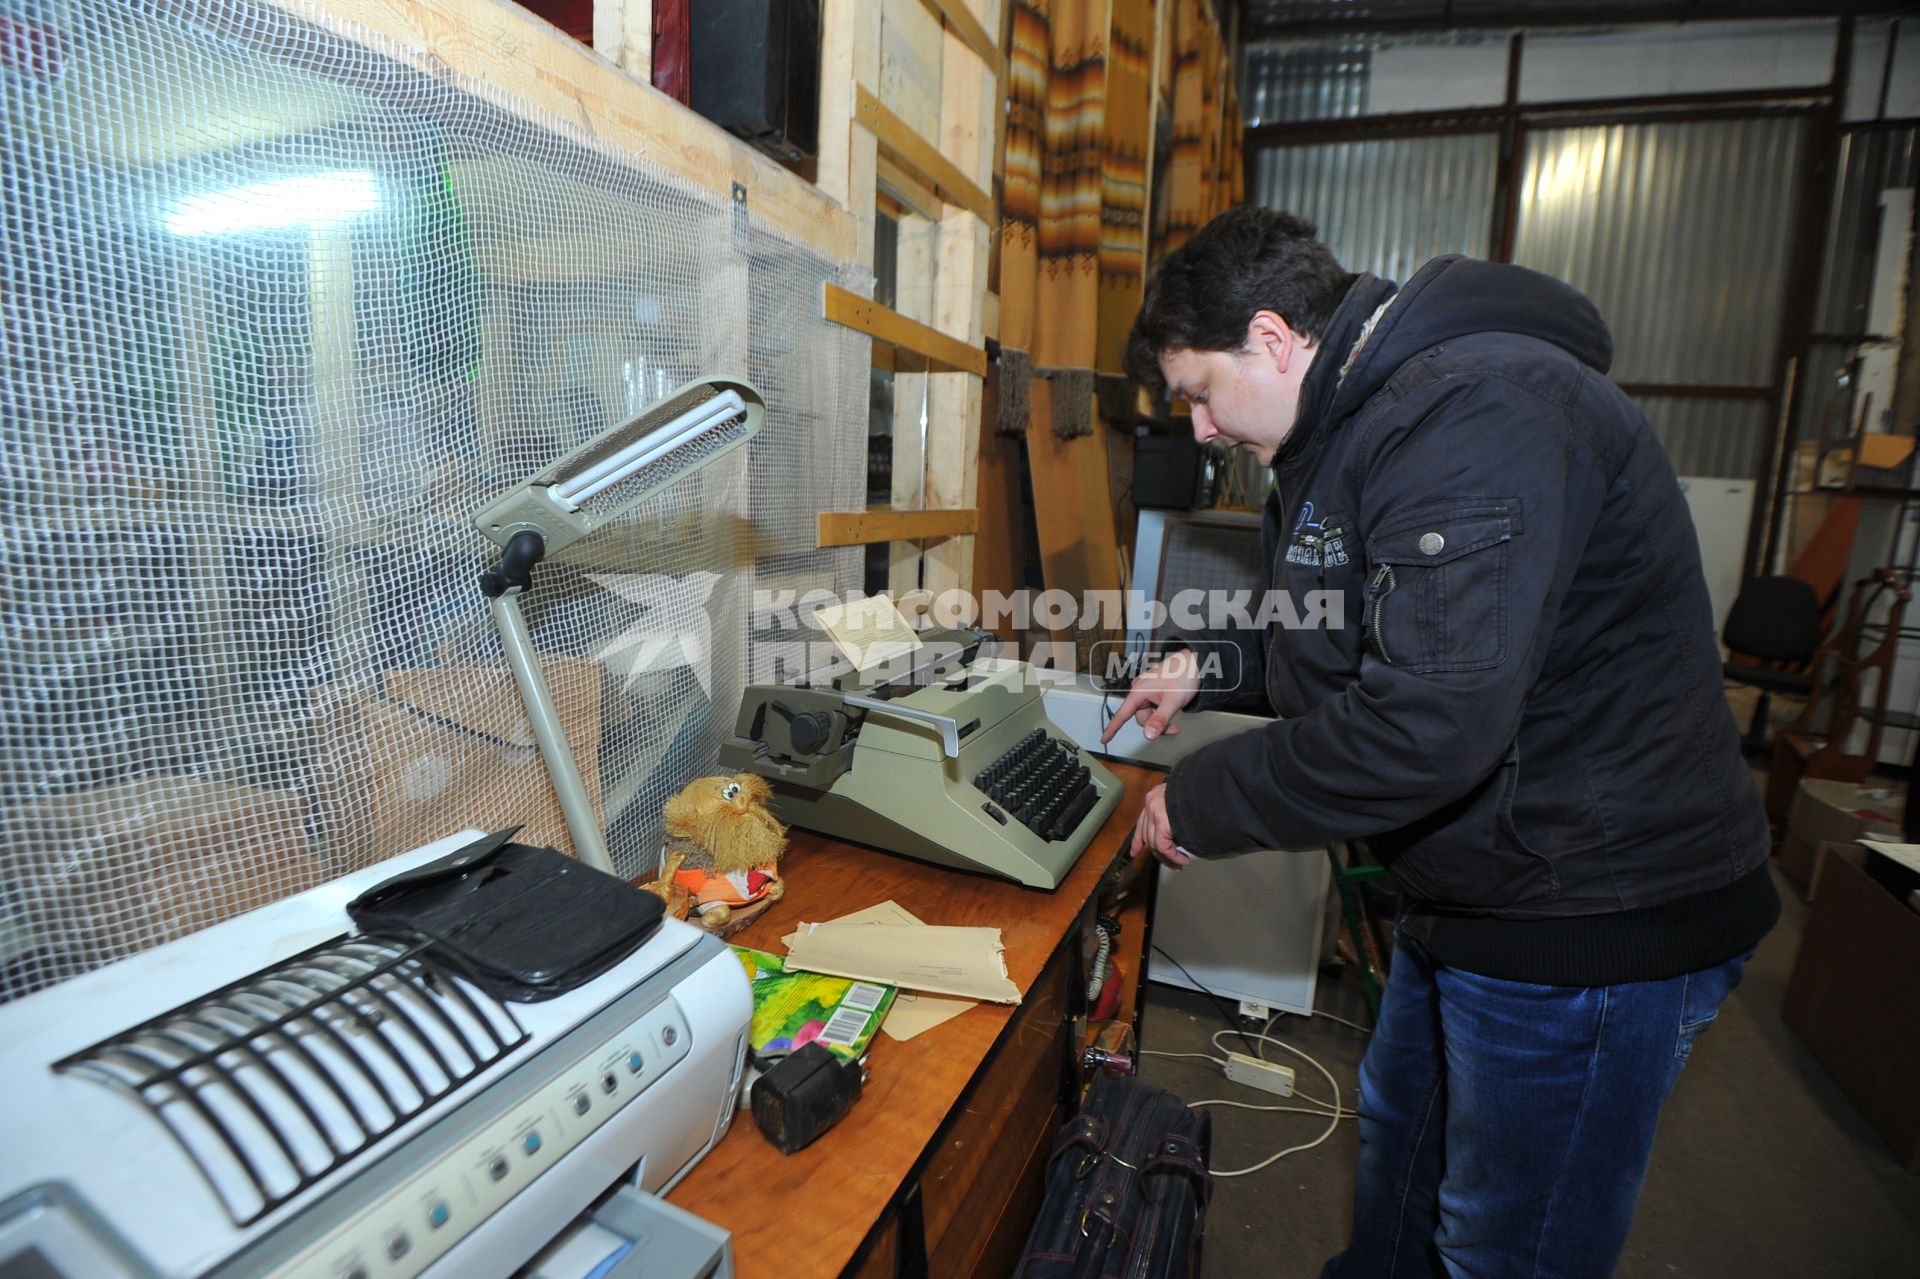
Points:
(805, 1094)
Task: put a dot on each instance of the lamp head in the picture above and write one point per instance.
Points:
(696, 425)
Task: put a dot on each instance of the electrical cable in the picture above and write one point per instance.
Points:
(1323, 1106)
(1148, 1052)
(1333, 1111)
(1106, 927)
(1263, 1035)
(1284, 1110)
(1333, 1121)
(1225, 1012)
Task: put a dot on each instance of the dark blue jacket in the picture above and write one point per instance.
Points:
(1522, 711)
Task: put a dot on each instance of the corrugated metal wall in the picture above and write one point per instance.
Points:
(1386, 206)
(1678, 232)
(1281, 83)
(1721, 438)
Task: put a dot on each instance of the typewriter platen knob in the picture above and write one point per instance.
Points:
(809, 731)
(812, 731)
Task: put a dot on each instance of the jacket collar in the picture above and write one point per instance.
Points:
(1353, 320)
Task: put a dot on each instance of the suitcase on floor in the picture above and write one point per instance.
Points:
(1127, 1189)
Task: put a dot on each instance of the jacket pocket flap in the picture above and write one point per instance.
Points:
(1436, 535)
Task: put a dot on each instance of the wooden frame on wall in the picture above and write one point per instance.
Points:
(907, 96)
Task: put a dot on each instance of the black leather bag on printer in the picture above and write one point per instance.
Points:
(525, 923)
(1127, 1189)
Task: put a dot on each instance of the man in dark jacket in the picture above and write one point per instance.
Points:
(1518, 705)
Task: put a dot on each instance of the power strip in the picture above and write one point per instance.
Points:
(1268, 1076)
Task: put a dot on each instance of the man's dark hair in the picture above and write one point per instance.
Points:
(1208, 290)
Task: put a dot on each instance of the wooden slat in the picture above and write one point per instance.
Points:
(1078, 539)
(914, 152)
(911, 38)
(963, 24)
(844, 167)
(913, 298)
(867, 316)
(905, 187)
(954, 403)
(623, 35)
(523, 65)
(879, 524)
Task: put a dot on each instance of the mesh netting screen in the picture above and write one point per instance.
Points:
(282, 312)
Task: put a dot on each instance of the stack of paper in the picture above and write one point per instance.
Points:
(869, 632)
(885, 943)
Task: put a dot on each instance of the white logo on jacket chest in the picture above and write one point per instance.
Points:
(1316, 543)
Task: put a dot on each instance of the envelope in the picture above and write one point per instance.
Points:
(968, 962)
(887, 912)
(913, 1013)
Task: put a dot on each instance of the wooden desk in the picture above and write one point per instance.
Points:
(945, 1150)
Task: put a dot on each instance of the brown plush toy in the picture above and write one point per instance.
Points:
(722, 848)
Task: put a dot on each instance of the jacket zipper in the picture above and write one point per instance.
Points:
(1274, 577)
(1382, 586)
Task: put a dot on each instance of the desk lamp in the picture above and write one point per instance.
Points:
(699, 423)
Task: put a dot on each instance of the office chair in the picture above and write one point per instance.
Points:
(1774, 620)
(1852, 676)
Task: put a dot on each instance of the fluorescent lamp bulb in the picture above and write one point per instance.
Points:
(649, 448)
(304, 200)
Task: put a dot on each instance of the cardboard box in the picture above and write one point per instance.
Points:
(444, 748)
(1825, 812)
(140, 862)
(1852, 997)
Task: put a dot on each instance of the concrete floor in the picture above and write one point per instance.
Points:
(1762, 1167)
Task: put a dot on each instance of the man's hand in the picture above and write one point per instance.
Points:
(1157, 696)
(1153, 833)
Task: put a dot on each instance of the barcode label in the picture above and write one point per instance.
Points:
(844, 1027)
(865, 996)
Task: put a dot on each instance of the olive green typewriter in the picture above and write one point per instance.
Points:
(950, 759)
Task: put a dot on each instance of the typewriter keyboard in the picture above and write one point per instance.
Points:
(1042, 784)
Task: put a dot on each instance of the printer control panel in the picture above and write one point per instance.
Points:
(421, 1218)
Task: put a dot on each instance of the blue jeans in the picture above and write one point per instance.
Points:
(1505, 1127)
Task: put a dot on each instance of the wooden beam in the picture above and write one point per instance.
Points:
(869, 317)
(844, 168)
(883, 524)
(968, 98)
(963, 24)
(913, 298)
(623, 35)
(506, 55)
(906, 188)
(914, 152)
(911, 39)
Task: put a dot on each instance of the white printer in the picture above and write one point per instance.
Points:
(280, 1096)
